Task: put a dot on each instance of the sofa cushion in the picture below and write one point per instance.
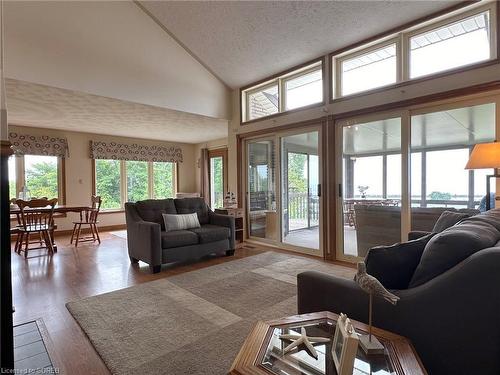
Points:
(394, 265)
(190, 205)
(178, 238)
(180, 221)
(448, 219)
(152, 210)
(211, 233)
(450, 247)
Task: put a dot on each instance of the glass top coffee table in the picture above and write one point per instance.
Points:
(262, 352)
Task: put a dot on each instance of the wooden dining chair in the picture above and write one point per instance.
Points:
(36, 217)
(88, 217)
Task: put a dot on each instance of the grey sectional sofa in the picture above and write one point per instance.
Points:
(449, 285)
(149, 242)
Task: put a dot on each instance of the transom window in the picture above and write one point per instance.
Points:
(448, 43)
(35, 176)
(369, 70)
(119, 181)
(293, 90)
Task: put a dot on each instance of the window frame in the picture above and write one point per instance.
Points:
(124, 187)
(280, 80)
(403, 34)
(339, 59)
(296, 74)
(406, 36)
(61, 175)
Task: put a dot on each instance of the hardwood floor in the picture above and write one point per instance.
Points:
(42, 285)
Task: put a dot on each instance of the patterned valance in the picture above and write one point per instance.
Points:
(26, 144)
(134, 151)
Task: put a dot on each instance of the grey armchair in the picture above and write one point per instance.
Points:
(452, 319)
(149, 242)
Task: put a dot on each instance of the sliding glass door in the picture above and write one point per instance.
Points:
(300, 190)
(398, 172)
(284, 190)
(441, 141)
(370, 188)
(261, 197)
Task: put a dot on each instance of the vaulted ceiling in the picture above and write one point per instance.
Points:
(244, 41)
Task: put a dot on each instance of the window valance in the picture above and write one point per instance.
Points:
(26, 144)
(134, 151)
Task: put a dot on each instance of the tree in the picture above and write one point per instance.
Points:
(439, 196)
(137, 181)
(163, 186)
(41, 180)
(108, 182)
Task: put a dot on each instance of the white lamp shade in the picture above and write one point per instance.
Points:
(484, 156)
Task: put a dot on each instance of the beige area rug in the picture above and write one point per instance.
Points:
(196, 322)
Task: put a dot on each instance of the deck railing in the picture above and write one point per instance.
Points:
(303, 210)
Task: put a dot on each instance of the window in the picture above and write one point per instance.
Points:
(137, 180)
(37, 175)
(436, 46)
(263, 102)
(298, 89)
(163, 180)
(456, 44)
(12, 177)
(369, 70)
(118, 181)
(218, 176)
(108, 183)
(304, 89)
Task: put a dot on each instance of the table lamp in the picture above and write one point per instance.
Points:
(485, 156)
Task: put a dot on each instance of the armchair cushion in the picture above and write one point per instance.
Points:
(190, 205)
(448, 219)
(178, 238)
(394, 265)
(450, 247)
(152, 210)
(211, 233)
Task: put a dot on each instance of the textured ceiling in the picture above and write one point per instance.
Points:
(244, 41)
(49, 107)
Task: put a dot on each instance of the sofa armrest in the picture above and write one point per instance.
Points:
(416, 234)
(143, 237)
(224, 221)
(318, 291)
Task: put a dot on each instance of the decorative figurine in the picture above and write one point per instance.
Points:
(303, 339)
(373, 287)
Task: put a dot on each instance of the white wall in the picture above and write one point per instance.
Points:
(78, 170)
(107, 48)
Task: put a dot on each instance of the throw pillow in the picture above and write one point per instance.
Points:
(447, 220)
(394, 265)
(181, 222)
(446, 249)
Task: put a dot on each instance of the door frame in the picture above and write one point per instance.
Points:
(218, 152)
(276, 137)
(405, 114)
(339, 167)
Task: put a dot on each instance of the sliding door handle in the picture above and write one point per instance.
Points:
(319, 190)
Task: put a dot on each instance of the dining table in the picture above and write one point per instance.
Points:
(15, 213)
